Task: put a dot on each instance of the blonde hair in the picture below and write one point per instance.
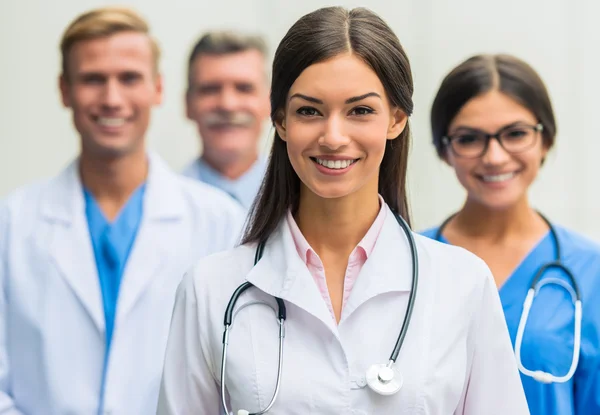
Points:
(104, 22)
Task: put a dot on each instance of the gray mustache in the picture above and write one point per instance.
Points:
(228, 119)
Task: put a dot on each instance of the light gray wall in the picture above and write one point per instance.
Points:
(560, 38)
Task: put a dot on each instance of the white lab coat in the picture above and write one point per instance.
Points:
(456, 359)
(52, 326)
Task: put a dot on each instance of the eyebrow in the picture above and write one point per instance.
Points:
(348, 101)
(514, 124)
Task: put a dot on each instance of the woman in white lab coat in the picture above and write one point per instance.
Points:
(335, 256)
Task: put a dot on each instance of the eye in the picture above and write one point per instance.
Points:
(130, 77)
(515, 134)
(467, 139)
(362, 111)
(246, 88)
(92, 79)
(207, 89)
(307, 111)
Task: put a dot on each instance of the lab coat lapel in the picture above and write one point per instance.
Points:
(157, 238)
(388, 268)
(281, 273)
(70, 246)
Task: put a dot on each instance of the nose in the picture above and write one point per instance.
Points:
(112, 94)
(495, 154)
(334, 136)
(228, 100)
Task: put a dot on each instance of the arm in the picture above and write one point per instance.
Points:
(493, 385)
(188, 386)
(587, 376)
(7, 405)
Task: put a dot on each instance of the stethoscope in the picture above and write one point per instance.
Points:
(381, 378)
(534, 288)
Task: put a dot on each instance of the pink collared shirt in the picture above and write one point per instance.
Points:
(357, 258)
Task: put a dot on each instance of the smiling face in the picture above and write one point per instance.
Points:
(497, 179)
(336, 123)
(111, 87)
(228, 99)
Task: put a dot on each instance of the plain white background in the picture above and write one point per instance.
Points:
(560, 38)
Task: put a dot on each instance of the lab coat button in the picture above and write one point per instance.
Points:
(358, 381)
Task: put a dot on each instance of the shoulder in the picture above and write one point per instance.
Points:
(454, 271)
(581, 255)
(21, 211)
(25, 200)
(191, 170)
(214, 277)
(446, 256)
(430, 232)
(200, 197)
(575, 244)
(207, 198)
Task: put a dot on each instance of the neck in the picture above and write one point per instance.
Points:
(335, 225)
(478, 221)
(232, 169)
(113, 180)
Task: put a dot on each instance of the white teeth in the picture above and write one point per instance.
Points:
(498, 177)
(111, 122)
(335, 164)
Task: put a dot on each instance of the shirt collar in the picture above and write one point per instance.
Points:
(243, 189)
(367, 243)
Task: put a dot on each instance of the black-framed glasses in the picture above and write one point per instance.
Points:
(472, 143)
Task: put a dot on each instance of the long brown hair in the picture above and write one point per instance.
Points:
(317, 36)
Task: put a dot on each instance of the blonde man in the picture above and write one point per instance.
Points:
(90, 259)
(228, 100)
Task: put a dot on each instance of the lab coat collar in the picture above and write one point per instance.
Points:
(65, 200)
(71, 248)
(387, 270)
(281, 273)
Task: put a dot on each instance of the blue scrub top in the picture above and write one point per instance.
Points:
(548, 337)
(112, 243)
(243, 190)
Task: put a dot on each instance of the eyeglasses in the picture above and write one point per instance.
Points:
(471, 143)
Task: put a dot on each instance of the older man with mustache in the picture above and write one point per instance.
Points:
(228, 99)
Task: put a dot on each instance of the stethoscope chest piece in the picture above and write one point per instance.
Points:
(384, 380)
(381, 378)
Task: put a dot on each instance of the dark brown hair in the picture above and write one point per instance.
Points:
(483, 73)
(317, 36)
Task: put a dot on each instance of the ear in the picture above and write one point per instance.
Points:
(158, 85)
(446, 157)
(280, 127)
(545, 150)
(398, 122)
(188, 104)
(63, 86)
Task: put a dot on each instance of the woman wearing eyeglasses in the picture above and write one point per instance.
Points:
(492, 121)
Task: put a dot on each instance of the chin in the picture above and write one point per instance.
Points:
(330, 191)
(112, 150)
(499, 204)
